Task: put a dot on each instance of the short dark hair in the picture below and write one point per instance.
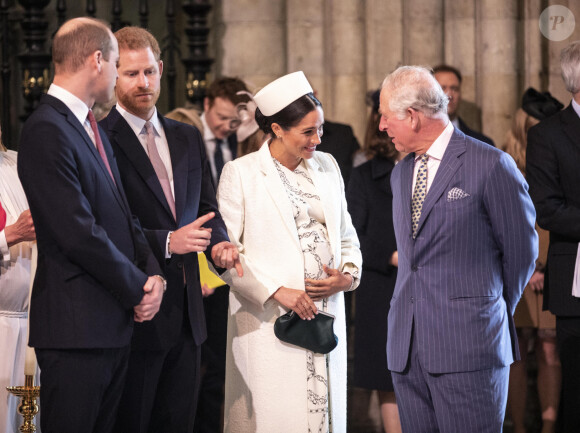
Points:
(137, 38)
(77, 39)
(290, 115)
(227, 88)
(447, 68)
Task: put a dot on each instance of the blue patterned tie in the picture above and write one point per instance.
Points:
(419, 194)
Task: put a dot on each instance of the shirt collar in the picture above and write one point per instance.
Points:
(73, 103)
(439, 146)
(576, 107)
(208, 136)
(136, 123)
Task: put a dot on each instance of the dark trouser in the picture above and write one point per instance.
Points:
(162, 388)
(568, 338)
(80, 388)
(209, 410)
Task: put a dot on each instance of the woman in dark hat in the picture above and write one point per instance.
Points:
(533, 324)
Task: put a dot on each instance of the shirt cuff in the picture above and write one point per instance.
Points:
(4, 250)
(167, 253)
(351, 269)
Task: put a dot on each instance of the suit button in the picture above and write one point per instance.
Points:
(180, 265)
(414, 268)
(412, 299)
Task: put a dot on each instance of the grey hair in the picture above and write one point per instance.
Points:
(415, 87)
(570, 63)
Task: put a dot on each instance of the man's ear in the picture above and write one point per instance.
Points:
(415, 119)
(97, 58)
(206, 104)
(160, 68)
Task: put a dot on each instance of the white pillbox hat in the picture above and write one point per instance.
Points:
(281, 92)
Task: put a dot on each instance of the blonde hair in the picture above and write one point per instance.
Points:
(517, 138)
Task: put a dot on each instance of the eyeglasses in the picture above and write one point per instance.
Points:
(235, 123)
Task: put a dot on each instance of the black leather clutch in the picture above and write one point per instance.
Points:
(316, 335)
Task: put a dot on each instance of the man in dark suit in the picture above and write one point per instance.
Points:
(339, 140)
(450, 80)
(464, 224)
(169, 187)
(93, 260)
(552, 168)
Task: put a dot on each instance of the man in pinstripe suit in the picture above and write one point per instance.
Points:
(464, 224)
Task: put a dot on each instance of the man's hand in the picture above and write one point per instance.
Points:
(334, 283)
(151, 302)
(225, 255)
(537, 281)
(192, 237)
(22, 230)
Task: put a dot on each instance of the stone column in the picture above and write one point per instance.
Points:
(459, 40)
(496, 45)
(423, 32)
(384, 40)
(531, 48)
(305, 48)
(345, 88)
(555, 84)
(250, 40)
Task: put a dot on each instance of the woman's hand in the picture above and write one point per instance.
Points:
(297, 300)
(334, 283)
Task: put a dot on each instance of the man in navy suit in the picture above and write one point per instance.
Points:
(464, 224)
(96, 273)
(168, 183)
(553, 161)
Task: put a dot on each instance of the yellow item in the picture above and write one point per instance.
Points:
(206, 276)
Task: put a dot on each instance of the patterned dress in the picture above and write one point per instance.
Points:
(313, 236)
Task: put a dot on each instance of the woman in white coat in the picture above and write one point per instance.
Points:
(285, 209)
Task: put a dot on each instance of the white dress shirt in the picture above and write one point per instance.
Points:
(74, 104)
(435, 152)
(209, 140)
(138, 126)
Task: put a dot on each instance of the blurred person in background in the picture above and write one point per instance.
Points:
(532, 324)
(369, 199)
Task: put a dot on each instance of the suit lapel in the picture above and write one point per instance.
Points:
(571, 124)
(447, 168)
(407, 165)
(74, 122)
(277, 191)
(179, 163)
(128, 142)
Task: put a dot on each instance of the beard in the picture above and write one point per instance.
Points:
(135, 103)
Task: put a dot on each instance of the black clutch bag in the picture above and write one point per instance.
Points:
(316, 335)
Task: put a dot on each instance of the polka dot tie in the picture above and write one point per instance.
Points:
(419, 194)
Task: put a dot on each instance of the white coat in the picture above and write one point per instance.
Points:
(265, 378)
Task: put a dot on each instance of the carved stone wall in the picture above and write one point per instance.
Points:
(347, 47)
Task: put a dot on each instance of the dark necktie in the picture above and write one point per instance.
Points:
(218, 157)
(419, 194)
(159, 167)
(99, 143)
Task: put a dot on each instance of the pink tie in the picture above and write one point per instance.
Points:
(159, 167)
(99, 143)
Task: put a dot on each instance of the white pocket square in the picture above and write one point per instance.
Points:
(456, 194)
